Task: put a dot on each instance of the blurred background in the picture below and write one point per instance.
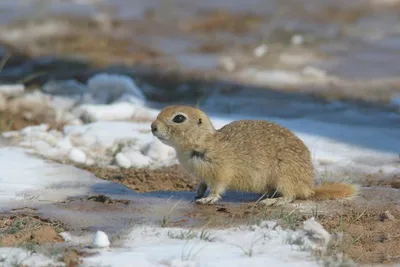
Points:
(336, 49)
(326, 69)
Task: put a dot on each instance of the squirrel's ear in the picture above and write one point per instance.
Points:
(200, 121)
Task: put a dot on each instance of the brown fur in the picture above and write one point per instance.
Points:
(246, 155)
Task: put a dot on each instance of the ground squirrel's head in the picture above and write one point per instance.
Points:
(180, 126)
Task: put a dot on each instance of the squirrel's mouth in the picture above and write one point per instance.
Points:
(164, 141)
(160, 137)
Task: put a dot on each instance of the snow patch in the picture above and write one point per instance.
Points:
(100, 240)
(10, 90)
(99, 143)
(76, 155)
(266, 244)
(10, 257)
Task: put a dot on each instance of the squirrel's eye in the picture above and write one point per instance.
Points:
(179, 118)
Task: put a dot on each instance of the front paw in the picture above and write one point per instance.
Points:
(207, 200)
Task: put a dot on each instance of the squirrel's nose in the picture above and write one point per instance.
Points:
(154, 127)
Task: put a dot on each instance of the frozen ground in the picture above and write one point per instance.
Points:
(39, 183)
(258, 246)
(100, 132)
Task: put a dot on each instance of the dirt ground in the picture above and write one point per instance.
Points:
(145, 180)
(371, 233)
(17, 121)
(24, 228)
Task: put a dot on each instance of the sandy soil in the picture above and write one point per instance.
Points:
(145, 180)
(22, 228)
(17, 121)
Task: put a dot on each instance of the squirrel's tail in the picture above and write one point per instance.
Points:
(333, 190)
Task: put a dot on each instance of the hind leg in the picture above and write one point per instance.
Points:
(286, 195)
(279, 201)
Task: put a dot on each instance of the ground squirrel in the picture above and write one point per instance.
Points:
(247, 155)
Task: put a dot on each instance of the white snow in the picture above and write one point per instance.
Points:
(11, 89)
(113, 112)
(260, 50)
(266, 244)
(26, 179)
(100, 240)
(297, 39)
(10, 257)
(76, 155)
(273, 77)
(123, 161)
